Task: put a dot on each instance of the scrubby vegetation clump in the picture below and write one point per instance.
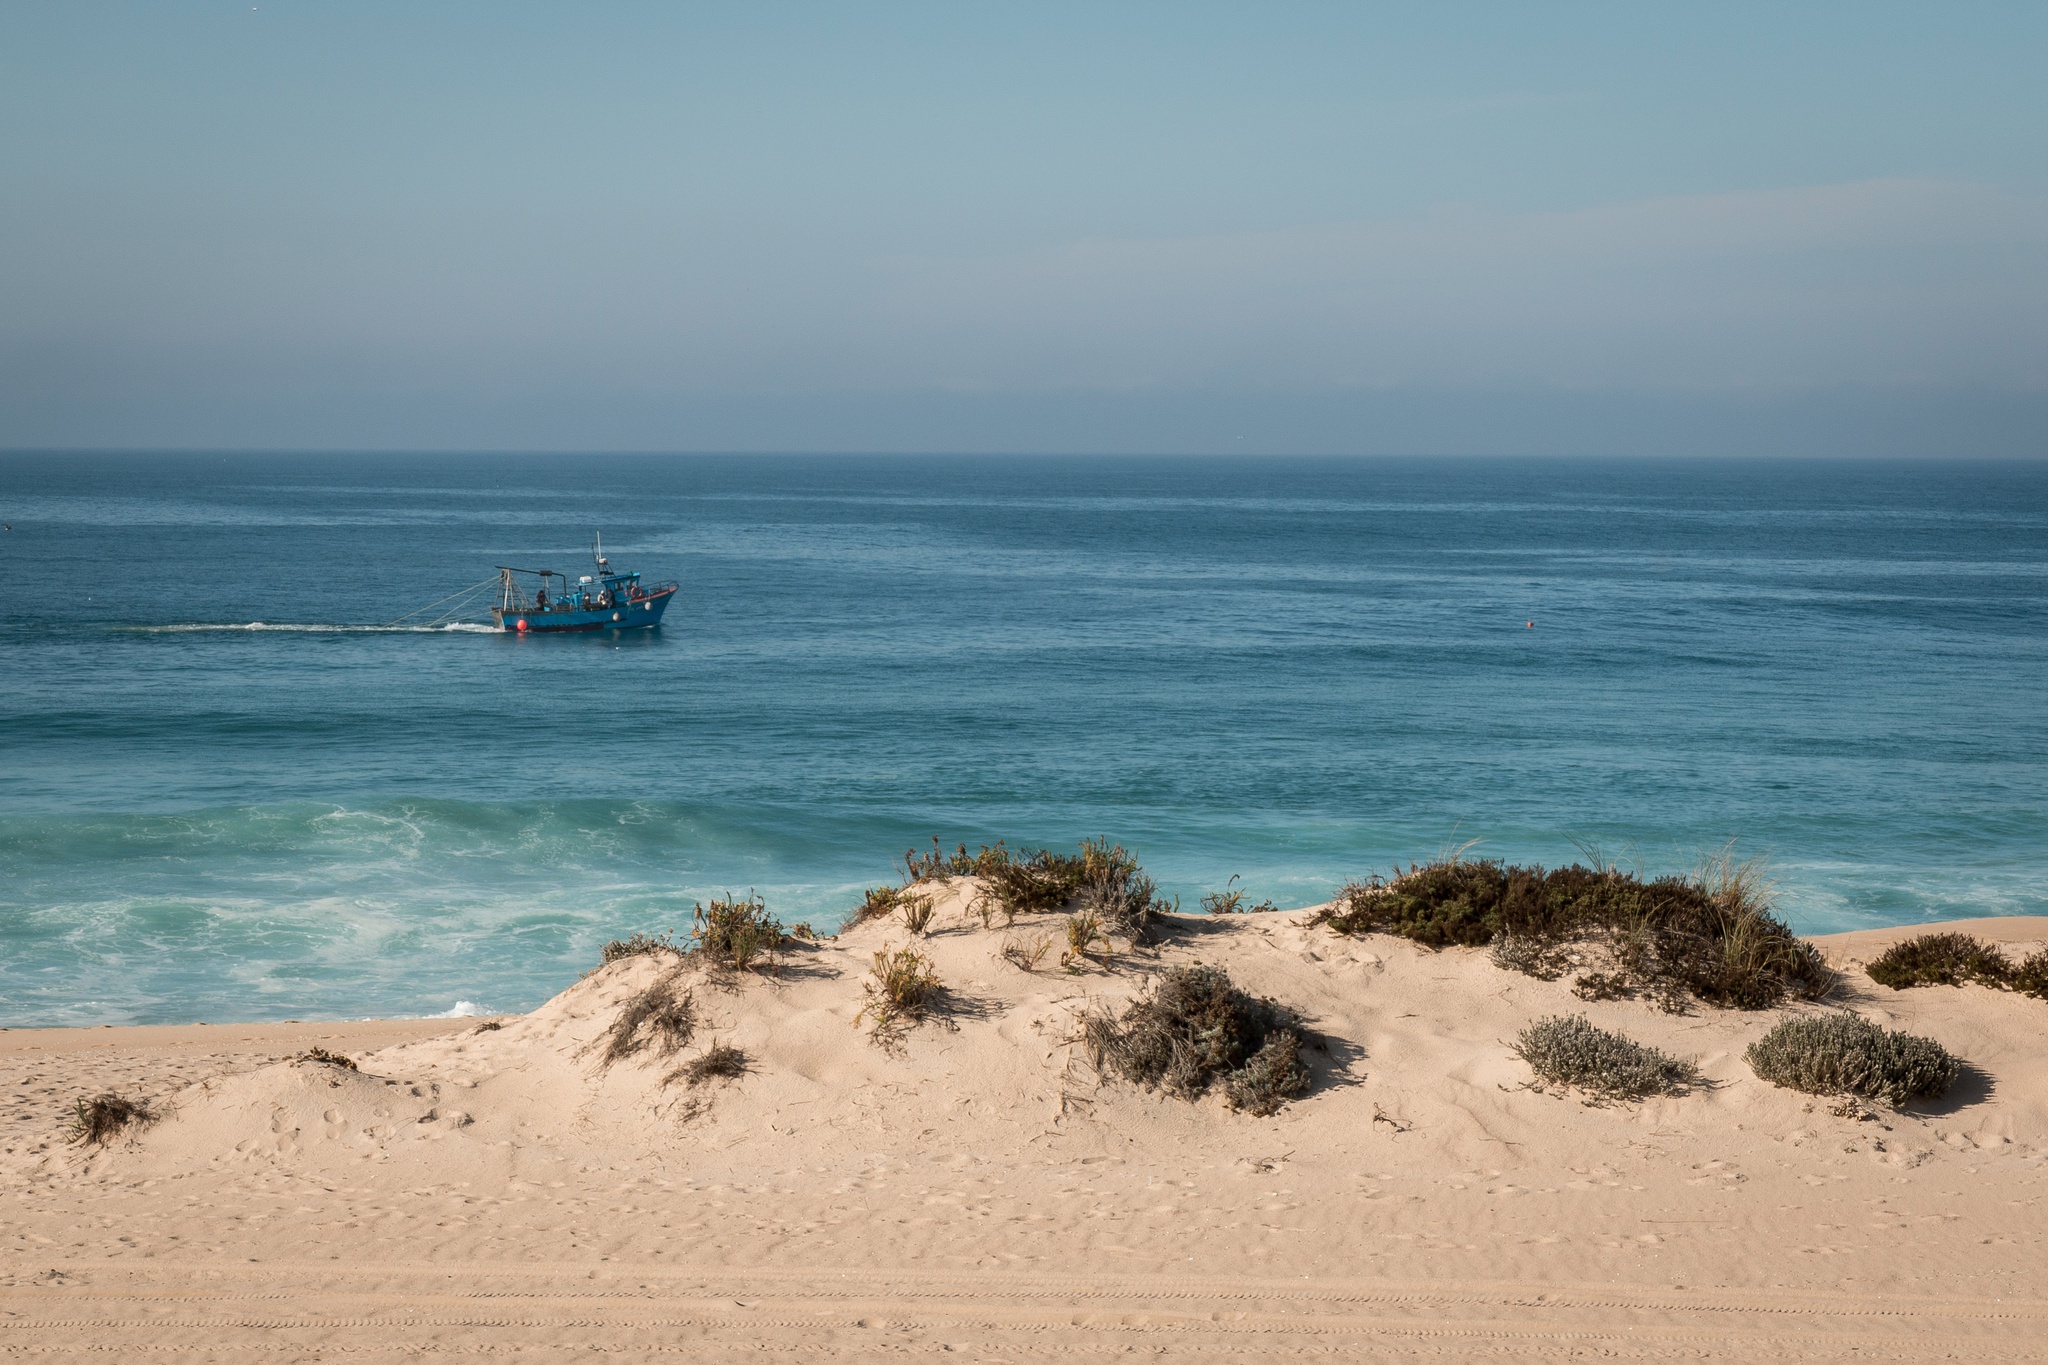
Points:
(736, 933)
(1569, 1050)
(1195, 1030)
(2031, 976)
(640, 945)
(1712, 935)
(323, 1057)
(102, 1118)
(1941, 960)
(902, 988)
(1841, 1053)
(1102, 879)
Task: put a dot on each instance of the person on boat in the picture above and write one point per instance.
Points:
(540, 603)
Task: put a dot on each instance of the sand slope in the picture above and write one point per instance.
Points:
(975, 1188)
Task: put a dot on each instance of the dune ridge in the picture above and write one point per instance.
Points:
(972, 1184)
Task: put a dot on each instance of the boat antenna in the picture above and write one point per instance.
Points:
(597, 552)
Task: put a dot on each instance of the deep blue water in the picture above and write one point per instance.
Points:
(1296, 671)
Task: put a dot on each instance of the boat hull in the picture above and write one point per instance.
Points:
(638, 615)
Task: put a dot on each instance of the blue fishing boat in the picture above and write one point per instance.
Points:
(532, 601)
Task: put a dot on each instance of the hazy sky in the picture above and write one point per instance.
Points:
(1492, 228)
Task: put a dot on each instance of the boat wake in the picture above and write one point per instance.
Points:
(452, 628)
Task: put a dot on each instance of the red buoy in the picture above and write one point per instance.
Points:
(522, 623)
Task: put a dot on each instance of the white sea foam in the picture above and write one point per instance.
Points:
(463, 1009)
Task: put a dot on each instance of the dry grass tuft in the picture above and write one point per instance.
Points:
(1941, 960)
(736, 934)
(662, 1017)
(720, 1061)
(326, 1058)
(917, 914)
(1712, 935)
(1197, 1029)
(1570, 1051)
(104, 1117)
(902, 988)
(1840, 1053)
(1027, 954)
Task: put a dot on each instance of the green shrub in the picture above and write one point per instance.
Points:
(2031, 976)
(1195, 1029)
(736, 933)
(1568, 1050)
(1940, 960)
(1840, 1053)
(1711, 935)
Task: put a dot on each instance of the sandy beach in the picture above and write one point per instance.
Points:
(975, 1190)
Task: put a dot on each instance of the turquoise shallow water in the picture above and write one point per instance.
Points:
(1295, 671)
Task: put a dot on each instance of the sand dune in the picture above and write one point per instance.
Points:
(976, 1188)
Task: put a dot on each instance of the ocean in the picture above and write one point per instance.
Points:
(228, 793)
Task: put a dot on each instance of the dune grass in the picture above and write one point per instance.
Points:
(720, 1061)
(1712, 935)
(902, 988)
(1230, 901)
(104, 1117)
(661, 1018)
(1841, 1053)
(325, 1058)
(1568, 1050)
(1196, 1029)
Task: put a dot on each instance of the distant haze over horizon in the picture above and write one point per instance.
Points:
(1312, 229)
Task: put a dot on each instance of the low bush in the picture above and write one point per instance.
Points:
(1840, 1053)
(1197, 1029)
(736, 933)
(1711, 935)
(720, 1061)
(104, 1117)
(640, 944)
(1102, 876)
(902, 987)
(2031, 976)
(1568, 1050)
(662, 1017)
(1270, 1077)
(325, 1058)
(1940, 960)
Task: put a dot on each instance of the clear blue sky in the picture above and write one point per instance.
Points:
(1706, 228)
